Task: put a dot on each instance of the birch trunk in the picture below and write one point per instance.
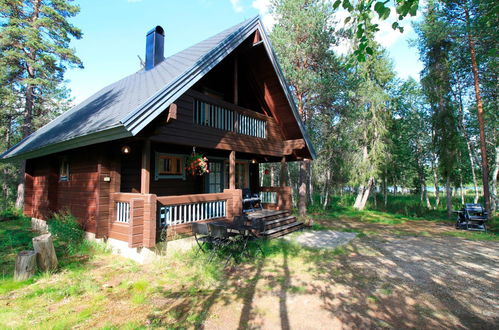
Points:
(272, 174)
(302, 190)
(448, 195)
(326, 192)
(495, 174)
(366, 193)
(435, 182)
(358, 199)
(428, 203)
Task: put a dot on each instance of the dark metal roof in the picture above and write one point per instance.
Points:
(125, 107)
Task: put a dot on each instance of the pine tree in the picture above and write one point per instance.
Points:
(34, 54)
(302, 39)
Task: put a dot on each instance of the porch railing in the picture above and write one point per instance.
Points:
(133, 219)
(123, 212)
(278, 198)
(177, 210)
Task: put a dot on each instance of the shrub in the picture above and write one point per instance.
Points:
(66, 228)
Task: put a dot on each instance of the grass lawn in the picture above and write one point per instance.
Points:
(95, 289)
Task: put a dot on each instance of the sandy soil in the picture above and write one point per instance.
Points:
(380, 282)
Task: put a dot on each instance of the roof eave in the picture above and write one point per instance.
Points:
(113, 133)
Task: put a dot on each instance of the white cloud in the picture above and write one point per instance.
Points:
(387, 36)
(236, 5)
(263, 7)
(344, 45)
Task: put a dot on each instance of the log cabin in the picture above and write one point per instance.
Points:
(119, 160)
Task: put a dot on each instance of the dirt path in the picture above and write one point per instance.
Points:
(379, 282)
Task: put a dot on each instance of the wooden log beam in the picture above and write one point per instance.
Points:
(45, 252)
(25, 265)
(236, 83)
(172, 113)
(284, 170)
(290, 145)
(232, 170)
(145, 173)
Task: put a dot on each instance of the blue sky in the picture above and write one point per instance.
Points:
(114, 34)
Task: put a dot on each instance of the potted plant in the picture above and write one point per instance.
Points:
(197, 164)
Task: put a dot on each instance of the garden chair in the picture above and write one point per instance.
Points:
(222, 240)
(201, 234)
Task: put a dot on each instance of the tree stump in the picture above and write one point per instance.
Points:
(25, 265)
(45, 252)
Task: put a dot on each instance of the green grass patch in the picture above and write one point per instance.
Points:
(473, 235)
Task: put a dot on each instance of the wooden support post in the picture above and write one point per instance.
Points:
(236, 83)
(149, 238)
(145, 173)
(284, 170)
(25, 265)
(232, 170)
(45, 252)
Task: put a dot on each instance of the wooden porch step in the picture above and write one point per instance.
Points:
(279, 222)
(283, 230)
(267, 215)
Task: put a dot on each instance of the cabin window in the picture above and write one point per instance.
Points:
(64, 170)
(169, 166)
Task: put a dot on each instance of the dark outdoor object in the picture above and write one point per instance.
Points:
(201, 234)
(222, 240)
(25, 265)
(250, 201)
(472, 217)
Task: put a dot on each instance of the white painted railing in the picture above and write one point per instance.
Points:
(252, 126)
(268, 197)
(186, 213)
(215, 116)
(122, 212)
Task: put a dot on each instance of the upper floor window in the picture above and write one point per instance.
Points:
(169, 166)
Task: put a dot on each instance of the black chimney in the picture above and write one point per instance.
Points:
(155, 47)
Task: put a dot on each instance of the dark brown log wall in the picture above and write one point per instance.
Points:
(46, 194)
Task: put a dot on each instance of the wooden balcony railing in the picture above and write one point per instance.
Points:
(276, 198)
(227, 117)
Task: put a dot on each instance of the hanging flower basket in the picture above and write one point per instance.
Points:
(197, 164)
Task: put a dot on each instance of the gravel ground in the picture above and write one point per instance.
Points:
(382, 282)
(324, 239)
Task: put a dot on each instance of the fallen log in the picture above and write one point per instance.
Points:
(45, 252)
(25, 265)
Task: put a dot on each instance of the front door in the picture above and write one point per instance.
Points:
(215, 178)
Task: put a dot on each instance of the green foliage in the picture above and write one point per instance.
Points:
(68, 230)
(363, 24)
(35, 53)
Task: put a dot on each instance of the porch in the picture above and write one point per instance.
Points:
(141, 219)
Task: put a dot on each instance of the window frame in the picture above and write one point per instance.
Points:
(158, 175)
(64, 167)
